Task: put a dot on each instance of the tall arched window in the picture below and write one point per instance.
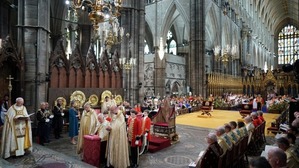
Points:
(171, 44)
(288, 45)
(146, 48)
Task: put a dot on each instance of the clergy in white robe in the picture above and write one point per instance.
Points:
(117, 146)
(88, 125)
(17, 135)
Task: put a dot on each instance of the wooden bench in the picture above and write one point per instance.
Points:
(183, 111)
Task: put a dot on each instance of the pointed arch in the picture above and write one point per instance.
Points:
(149, 36)
(9, 52)
(169, 18)
(211, 28)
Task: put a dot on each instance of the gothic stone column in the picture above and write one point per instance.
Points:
(33, 37)
(244, 48)
(133, 20)
(196, 66)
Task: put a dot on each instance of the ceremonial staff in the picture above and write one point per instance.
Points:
(9, 89)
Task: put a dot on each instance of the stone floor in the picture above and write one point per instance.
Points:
(62, 154)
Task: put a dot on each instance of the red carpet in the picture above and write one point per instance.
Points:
(158, 143)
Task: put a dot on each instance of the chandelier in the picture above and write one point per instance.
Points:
(228, 53)
(103, 15)
(127, 64)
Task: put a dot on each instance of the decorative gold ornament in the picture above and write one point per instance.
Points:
(78, 97)
(104, 94)
(118, 99)
(93, 100)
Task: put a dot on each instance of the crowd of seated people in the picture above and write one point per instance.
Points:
(231, 100)
(229, 138)
(286, 153)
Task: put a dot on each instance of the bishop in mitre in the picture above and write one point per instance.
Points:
(17, 135)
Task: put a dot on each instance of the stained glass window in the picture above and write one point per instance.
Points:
(288, 45)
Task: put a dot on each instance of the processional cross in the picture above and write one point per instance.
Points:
(9, 88)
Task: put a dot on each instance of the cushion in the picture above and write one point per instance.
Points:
(161, 124)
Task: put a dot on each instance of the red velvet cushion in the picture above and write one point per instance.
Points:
(161, 124)
(91, 150)
(92, 137)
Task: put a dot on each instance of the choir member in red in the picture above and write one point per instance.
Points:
(146, 125)
(138, 108)
(134, 137)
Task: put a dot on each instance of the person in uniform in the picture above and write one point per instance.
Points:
(58, 119)
(43, 119)
(146, 127)
(49, 115)
(134, 137)
(16, 135)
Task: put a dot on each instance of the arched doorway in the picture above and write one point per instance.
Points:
(175, 88)
(11, 63)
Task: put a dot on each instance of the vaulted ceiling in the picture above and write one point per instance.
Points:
(276, 14)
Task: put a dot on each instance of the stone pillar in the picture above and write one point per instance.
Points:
(159, 74)
(33, 37)
(133, 20)
(196, 65)
(249, 48)
(244, 47)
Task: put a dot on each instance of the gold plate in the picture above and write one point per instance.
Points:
(93, 100)
(78, 97)
(118, 99)
(104, 94)
(63, 102)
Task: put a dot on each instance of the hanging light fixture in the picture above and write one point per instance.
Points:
(161, 49)
(99, 10)
(103, 15)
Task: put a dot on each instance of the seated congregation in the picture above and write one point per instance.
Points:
(231, 144)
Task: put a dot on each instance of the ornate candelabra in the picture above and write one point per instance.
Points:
(228, 53)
